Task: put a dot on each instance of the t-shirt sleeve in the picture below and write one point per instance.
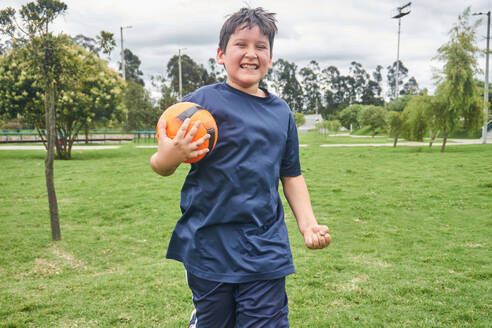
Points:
(291, 166)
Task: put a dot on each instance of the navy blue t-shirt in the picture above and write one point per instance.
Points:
(232, 228)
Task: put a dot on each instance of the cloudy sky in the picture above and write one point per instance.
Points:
(332, 32)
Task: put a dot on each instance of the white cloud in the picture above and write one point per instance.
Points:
(334, 32)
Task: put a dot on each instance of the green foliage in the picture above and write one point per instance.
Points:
(457, 90)
(398, 104)
(391, 78)
(193, 75)
(373, 116)
(299, 119)
(395, 125)
(350, 115)
(311, 86)
(87, 91)
(332, 125)
(395, 122)
(104, 43)
(416, 117)
(284, 79)
(132, 67)
(142, 114)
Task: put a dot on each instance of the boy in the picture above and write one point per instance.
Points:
(232, 236)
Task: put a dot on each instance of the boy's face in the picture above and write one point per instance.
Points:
(247, 59)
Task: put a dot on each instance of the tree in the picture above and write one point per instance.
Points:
(415, 118)
(299, 119)
(42, 48)
(398, 104)
(284, 79)
(349, 116)
(217, 73)
(433, 109)
(456, 88)
(377, 76)
(132, 67)
(142, 114)
(3, 48)
(193, 75)
(391, 78)
(395, 125)
(361, 81)
(36, 18)
(87, 91)
(168, 96)
(311, 86)
(339, 91)
(373, 116)
(411, 87)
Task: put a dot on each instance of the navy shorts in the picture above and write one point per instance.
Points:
(258, 304)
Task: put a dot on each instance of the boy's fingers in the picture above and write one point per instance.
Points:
(193, 130)
(326, 240)
(200, 141)
(197, 153)
(312, 241)
(182, 129)
(316, 242)
(162, 130)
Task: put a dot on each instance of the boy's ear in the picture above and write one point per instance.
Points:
(220, 56)
(270, 64)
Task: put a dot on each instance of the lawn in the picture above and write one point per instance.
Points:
(411, 247)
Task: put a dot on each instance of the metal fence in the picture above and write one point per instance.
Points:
(94, 136)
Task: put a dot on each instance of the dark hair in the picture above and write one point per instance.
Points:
(248, 18)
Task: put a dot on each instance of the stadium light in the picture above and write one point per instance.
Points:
(486, 87)
(179, 77)
(402, 11)
(123, 64)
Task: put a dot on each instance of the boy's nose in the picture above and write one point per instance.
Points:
(251, 52)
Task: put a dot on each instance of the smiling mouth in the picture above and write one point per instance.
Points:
(249, 66)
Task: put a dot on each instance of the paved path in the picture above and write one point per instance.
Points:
(311, 121)
(20, 147)
(452, 142)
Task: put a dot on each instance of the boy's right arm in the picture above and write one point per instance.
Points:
(172, 152)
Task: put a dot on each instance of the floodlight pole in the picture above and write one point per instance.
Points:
(123, 63)
(399, 16)
(486, 88)
(397, 82)
(179, 73)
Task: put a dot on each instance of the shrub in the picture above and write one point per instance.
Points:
(299, 119)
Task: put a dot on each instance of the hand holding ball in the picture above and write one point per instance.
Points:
(178, 113)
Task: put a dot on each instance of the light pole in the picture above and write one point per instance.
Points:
(179, 73)
(398, 16)
(486, 87)
(123, 64)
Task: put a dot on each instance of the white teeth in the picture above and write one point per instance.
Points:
(249, 66)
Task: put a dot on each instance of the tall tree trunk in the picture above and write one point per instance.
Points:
(444, 139)
(433, 137)
(49, 105)
(396, 140)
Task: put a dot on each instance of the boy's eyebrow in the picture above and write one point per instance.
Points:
(256, 41)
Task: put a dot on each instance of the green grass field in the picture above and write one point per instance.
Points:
(411, 228)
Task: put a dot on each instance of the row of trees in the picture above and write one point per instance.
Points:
(309, 89)
(457, 102)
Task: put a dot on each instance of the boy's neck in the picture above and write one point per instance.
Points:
(253, 90)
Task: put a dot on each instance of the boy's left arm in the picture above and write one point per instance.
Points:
(295, 190)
